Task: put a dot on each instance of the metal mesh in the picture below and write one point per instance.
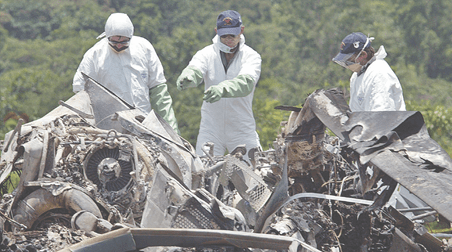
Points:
(257, 194)
(193, 215)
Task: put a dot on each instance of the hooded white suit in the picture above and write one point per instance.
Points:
(228, 122)
(134, 74)
(130, 73)
(377, 89)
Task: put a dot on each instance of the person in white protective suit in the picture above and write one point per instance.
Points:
(128, 66)
(373, 85)
(230, 70)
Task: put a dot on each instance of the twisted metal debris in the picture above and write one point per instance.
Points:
(110, 178)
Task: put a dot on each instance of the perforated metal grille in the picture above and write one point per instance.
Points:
(192, 217)
(258, 195)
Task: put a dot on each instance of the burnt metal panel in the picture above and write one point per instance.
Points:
(397, 142)
(131, 239)
(434, 188)
(105, 104)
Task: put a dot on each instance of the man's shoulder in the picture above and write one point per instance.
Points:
(247, 49)
(210, 47)
(380, 63)
(137, 40)
(249, 52)
(378, 69)
(208, 50)
(99, 46)
(140, 39)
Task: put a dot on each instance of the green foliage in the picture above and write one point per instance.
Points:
(8, 125)
(268, 120)
(438, 121)
(28, 19)
(426, 35)
(12, 182)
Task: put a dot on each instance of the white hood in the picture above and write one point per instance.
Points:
(118, 24)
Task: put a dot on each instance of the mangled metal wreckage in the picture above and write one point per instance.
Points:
(128, 182)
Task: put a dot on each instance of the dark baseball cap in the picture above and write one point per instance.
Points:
(351, 44)
(229, 22)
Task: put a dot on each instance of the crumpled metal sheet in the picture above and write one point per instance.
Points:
(403, 134)
(365, 132)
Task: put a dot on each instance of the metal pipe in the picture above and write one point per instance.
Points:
(131, 239)
(414, 209)
(40, 201)
(417, 217)
(213, 169)
(81, 113)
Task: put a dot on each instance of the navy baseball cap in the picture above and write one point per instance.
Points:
(229, 22)
(351, 44)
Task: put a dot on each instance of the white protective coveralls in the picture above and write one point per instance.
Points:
(228, 122)
(377, 89)
(129, 74)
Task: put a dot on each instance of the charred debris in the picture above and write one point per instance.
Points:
(95, 174)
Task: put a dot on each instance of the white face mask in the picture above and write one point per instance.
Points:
(354, 67)
(224, 48)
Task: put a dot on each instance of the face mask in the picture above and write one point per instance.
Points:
(118, 49)
(353, 65)
(356, 67)
(224, 48)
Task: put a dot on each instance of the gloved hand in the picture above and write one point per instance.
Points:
(213, 94)
(190, 77)
(240, 86)
(184, 81)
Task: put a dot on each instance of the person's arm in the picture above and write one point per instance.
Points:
(190, 77)
(243, 84)
(240, 86)
(87, 67)
(162, 102)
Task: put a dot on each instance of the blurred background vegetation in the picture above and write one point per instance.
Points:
(43, 41)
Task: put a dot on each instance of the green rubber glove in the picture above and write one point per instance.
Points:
(190, 77)
(240, 86)
(161, 102)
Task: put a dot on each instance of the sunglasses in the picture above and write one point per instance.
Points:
(125, 42)
(228, 35)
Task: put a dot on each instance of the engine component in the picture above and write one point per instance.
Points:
(109, 168)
